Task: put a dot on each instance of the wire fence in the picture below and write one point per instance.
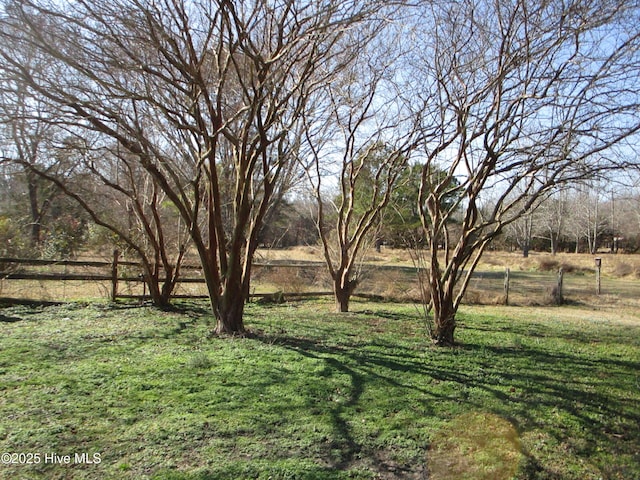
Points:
(64, 280)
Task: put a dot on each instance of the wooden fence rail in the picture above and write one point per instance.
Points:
(11, 269)
(307, 279)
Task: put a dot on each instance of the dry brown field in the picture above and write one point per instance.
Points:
(390, 275)
(614, 265)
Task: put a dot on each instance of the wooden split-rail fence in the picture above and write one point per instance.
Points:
(301, 279)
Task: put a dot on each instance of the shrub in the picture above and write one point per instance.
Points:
(548, 265)
(478, 297)
(65, 238)
(623, 270)
(12, 242)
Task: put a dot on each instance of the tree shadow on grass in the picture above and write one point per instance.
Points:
(570, 397)
(9, 319)
(240, 470)
(345, 450)
(9, 302)
(525, 385)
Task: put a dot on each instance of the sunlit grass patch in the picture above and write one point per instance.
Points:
(475, 446)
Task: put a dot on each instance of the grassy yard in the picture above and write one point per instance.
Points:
(530, 393)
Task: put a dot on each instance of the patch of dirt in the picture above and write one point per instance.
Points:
(387, 468)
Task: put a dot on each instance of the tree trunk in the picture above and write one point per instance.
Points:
(342, 300)
(444, 316)
(35, 236)
(444, 319)
(227, 294)
(235, 293)
(168, 285)
(157, 294)
(554, 244)
(230, 314)
(160, 296)
(343, 291)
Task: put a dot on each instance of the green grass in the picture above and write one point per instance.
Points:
(315, 395)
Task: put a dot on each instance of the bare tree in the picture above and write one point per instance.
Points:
(587, 220)
(27, 132)
(204, 95)
(552, 219)
(546, 219)
(122, 197)
(628, 219)
(88, 167)
(357, 135)
(521, 231)
(516, 99)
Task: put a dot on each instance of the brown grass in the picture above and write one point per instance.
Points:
(290, 280)
(620, 279)
(56, 291)
(615, 265)
(301, 253)
(394, 286)
(475, 445)
(481, 297)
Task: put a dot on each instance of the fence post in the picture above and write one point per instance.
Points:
(114, 275)
(598, 268)
(506, 287)
(558, 290)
